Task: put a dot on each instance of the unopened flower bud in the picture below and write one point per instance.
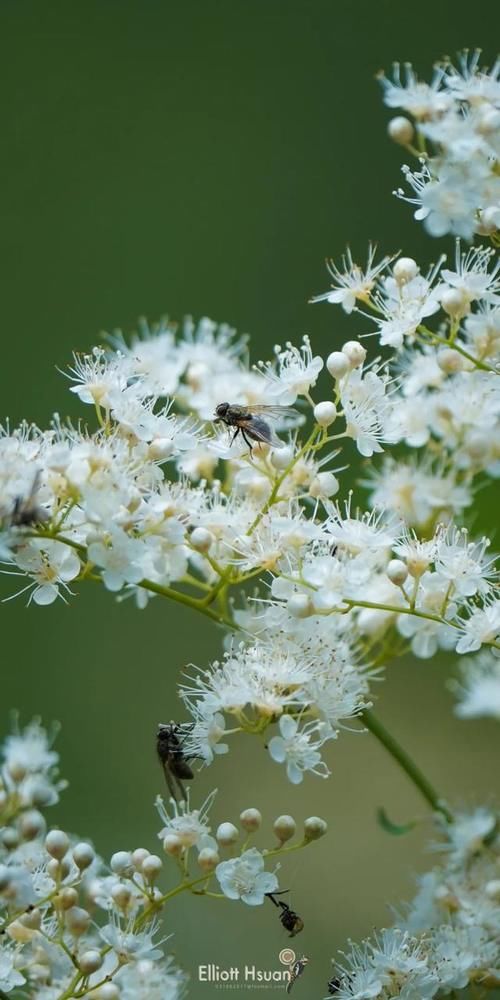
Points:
(227, 834)
(139, 856)
(314, 828)
(450, 361)
(172, 844)
(325, 413)
(58, 870)
(10, 838)
(32, 919)
(455, 302)
(201, 539)
(400, 130)
(77, 920)
(121, 863)
(299, 606)
(31, 824)
(404, 270)
(337, 364)
(108, 991)
(83, 855)
(121, 895)
(354, 352)
(68, 897)
(397, 571)
(90, 961)
(325, 484)
(19, 933)
(490, 220)
(151, 867)
(57, 844)
(208, 859)
(284, 828)
(281, 457)
(250, 820)
(161, 448)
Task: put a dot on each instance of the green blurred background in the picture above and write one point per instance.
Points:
(206, 157)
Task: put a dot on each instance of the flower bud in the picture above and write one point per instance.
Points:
(299, 606)
(404, 270)
(201, 539)
(77, 920)
(281, 457)
(67, 898)
(121, 895)
(172, 844)
(83, 855)
(151, 867)
(250, 820)
(121, 863)
(58, 870)
(337, 364)
(31, 824)
(57, 844)
(490, 220)
(325, 413)
(208, 859)
(19, 933)
(455, 303)
(354, 352)
(397, 571)
(108, 991)
(227, 834)
(32, 919)
(284, 828)
(161, 448)
(400, 130)
(90, 961)
(10, 838)
(325, 484)
(314, 828)
(139, 856)
(450, 361)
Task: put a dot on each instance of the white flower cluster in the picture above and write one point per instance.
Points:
(454, 127)
(450, 936)
(70, 925)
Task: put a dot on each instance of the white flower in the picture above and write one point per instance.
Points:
(298, 749)
(368, 409)
(294, 372)
(120, 559)
(352, 282)
(128, 944)
(472, 277)
(10, 977)
(50, 564)
(482, 625)
(148, 980)
(244, 878)
(479, 691)
(463, 564)
(191, 826)
(30, 750)
(204, 738)
(468, 834)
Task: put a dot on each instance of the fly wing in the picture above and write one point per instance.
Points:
(272, 411)
(258, 430)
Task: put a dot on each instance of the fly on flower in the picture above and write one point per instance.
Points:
(252, 422)
(25, 510)
(169, 746)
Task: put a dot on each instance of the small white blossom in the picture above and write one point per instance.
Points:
(244, 878)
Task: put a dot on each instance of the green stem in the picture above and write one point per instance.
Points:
(407, 764)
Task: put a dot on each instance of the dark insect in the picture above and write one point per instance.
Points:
(169, 745)
(25, 510)
(296, 971)
(250, 422)
(289, 919)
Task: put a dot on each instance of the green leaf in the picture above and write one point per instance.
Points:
(395, 829)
